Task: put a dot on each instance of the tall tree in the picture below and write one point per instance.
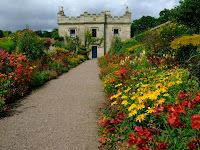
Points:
(1, 33)
(54, 34)
(142, 24)
(39, 33)
(46, 34)
(165, 15)
(188, 13)
(6, 33)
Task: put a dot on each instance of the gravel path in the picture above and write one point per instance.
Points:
(62, 115)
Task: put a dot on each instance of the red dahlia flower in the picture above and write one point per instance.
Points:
(192, 145)
(162, 146)
(196, 121)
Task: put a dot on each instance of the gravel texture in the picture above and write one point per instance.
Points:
(62, 115)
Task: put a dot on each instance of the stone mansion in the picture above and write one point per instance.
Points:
(101, 25)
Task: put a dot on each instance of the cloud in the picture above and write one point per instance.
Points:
(42, 15)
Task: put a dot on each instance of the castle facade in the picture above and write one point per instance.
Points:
(102, 25)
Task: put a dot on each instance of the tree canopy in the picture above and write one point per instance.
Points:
(188, 13)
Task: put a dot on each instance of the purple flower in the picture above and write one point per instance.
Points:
(1, 50)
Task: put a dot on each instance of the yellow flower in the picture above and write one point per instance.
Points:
(179, 82)
(133, 112)
(140, 106)
(134, 97)
(141, 117)
(118, 85)
(113, 103)
(124, 102)
(137, 85)
(170, 84)
(163, 89)
(30, 67)
(160, 101)
(166, 95)
(116, 96)
(133, 106)
(124, 97)
(158, 85)
(152, 96)
(127, 90)
(150, 110)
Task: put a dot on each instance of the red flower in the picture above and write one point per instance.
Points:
(192, 145)
(123, 71)
(174, 120)
(162, 146)
(196, 121)
(132, 139)
(112, 81)
(180, 109)
(181, 95)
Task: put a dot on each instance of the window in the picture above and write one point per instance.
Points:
(94, 32)
(116, 32)
(72, 33)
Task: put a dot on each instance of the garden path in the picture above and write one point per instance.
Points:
(61, 115)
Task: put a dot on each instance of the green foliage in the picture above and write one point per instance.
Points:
(59, 38)
(140, 25)
(59, 44)
(56, 65)
(37, 80)
(6, 33)
(46, 34)
(187, 13)
(71, 44)
(30, 44)
(116, 45)
(89, 39)
(39, 33)
(158, 41)
(54, 33)
(7, 45)
(41, 78)
(82, 50)
(1, 33)
(119, 47)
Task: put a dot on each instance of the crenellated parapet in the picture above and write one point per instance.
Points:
(87, 18)
(83, 18)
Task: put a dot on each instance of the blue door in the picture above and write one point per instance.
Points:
(94, 52)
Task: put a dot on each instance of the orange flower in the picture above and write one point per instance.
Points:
(103, 140)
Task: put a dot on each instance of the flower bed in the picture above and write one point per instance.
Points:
(150, 105)
(22, 72)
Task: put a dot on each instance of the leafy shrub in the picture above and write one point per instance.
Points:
(59, 44)
(7, 44)
(56, 65)
(37, 80)
(73, 62)
(47, 43)
(120, 47)
(116, 45)
(81, 57)
(158, 41)
(61, 50)
(30, 44)
(59, 38)
(186, 48)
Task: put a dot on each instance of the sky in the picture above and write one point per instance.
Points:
(42, 14)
